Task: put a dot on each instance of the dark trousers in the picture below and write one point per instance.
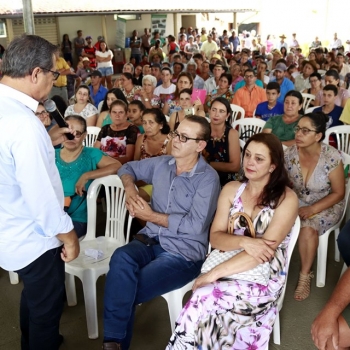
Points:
(344, 243)
(42, 301)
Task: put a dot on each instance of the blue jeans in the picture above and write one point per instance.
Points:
(138, 57)
(42, 301)
(344, 243)
(139, 273)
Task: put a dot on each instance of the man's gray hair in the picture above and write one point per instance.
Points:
(191, 63)
(26, 53)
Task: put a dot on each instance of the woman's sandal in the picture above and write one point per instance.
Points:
(303, 288)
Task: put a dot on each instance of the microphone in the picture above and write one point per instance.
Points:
(50, 106)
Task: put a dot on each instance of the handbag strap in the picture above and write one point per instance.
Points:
(236, 215)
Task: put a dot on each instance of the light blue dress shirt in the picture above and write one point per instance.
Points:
(190, 199)
(31, 194)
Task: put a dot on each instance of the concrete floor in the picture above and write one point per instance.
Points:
(152, 325)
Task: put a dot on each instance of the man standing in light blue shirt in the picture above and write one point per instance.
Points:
(285, 84)
(33, 224)
(170, 250)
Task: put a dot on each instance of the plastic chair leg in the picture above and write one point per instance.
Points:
(89, 287)
(70, 290)
(336, 250)
(322, 260)
(175, 307)
(14, 279)
(276, 330)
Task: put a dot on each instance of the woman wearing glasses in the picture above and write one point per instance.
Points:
(78, 166)
(233, 313)
(44, 117)
(317, 176)
(83, 106)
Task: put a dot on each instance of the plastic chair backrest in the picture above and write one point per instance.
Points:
(91, 136)
(342, 134)
(293, 239)
(248, 126)
(307, 98)
(116, 209)
(235, 112)
(99, 107)
(310, 109)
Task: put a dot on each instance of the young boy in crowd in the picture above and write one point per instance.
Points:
(271, 107)
(334, 112)
(135, 111)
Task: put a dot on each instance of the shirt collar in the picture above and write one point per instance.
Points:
(197, 169)
(21, 97)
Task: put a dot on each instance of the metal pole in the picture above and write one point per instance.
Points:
(28, 17)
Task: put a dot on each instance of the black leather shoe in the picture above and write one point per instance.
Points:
(111, 346)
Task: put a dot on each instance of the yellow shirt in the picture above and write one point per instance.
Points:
(62, 79)
(345, 116)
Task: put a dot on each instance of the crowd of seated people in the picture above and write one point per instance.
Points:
(147, 115)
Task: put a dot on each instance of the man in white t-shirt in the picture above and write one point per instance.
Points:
(167, 88)
(336, 42)
(209, 47)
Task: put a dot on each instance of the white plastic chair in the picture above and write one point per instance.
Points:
(322, 72)
(307, 98)
(250, 126)
(323, 240)
(291, 245)
(88, 269)
(99, 107)
(235, 110)
(91, 136)
(310, 109)
(174, 300)
(342, 134)
(14, 279)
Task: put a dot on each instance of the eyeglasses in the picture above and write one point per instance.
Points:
(304, 131)
(313, 80)
(244, 224)
(79, 134)
(182, 137)
(41, 114)
(54, 73)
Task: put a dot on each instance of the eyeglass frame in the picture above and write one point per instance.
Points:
(304, 131)
(39, 114)
(54, 73)
(175, 134)
(80, 134)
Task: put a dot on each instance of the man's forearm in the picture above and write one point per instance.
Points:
(68, 238)
(128, 182)
(159, 219)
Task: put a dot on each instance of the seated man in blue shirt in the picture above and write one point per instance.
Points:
(271, 107)
(168, 253)
(285, 84)
(97, 91)
(330, 93)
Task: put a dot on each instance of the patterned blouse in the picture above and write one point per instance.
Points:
(161, 152)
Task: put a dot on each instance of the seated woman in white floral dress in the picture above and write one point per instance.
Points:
(232, 313)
